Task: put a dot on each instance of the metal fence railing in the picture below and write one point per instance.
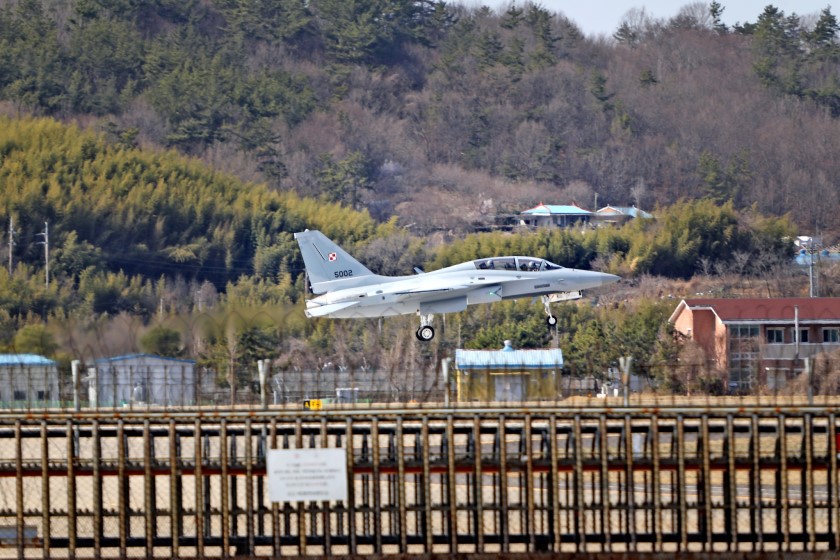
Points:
(159, 383)
(141, 382)
(444, 481)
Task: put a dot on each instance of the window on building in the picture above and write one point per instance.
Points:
(803, 336)
(743, 356)
(742, 369)
(831, 335)
(43, 395)
(743, 331)
(19, 395)
(775, 335)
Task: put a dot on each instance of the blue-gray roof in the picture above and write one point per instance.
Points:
(502, 359)
(24, 360)
(554, 209)
(140, 357)
(631, 211)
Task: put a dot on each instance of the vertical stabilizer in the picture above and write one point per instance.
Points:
(327, 262)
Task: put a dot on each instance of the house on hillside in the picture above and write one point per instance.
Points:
(142, 379)
(618, 215)
(507, 375)
(550, 215)
(28, 381)
(760, 342)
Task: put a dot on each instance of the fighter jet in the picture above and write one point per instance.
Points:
(348, 290)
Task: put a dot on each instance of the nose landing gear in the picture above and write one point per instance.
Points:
(551, 320)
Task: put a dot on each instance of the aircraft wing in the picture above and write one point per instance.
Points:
(426, 285)
(430, 293)
(415, 291)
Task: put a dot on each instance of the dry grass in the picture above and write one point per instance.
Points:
(652, 400)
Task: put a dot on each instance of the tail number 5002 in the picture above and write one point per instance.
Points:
(343, 273)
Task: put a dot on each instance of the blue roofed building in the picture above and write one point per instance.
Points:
(565, 215)
(28, 381)
(548, 215)
(507, 375)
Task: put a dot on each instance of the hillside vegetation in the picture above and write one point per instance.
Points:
(446, 116)
(152, 250)
(172, 148)
(142, 215)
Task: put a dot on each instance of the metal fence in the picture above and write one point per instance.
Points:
(150, 383)
(506, 480)
(144, 386)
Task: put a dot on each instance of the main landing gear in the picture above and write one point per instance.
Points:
(551, 319)
(425, 333)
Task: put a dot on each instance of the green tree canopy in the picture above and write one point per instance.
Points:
(162, 341)
(35, 339)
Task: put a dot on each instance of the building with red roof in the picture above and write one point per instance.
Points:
(760, 341)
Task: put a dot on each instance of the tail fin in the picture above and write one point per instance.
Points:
(327, 262)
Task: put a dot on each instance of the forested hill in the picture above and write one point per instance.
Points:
(111, 207)
(441, 115)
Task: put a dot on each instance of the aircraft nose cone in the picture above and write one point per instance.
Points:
(609, 279)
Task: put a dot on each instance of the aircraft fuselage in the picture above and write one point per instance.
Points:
(448, 290)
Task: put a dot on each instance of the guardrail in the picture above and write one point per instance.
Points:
(193, 484)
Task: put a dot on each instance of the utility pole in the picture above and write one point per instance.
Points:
(811, 248)
(46, 243)
(11, 242)
(813, 286)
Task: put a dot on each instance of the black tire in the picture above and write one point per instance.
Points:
(425, 334)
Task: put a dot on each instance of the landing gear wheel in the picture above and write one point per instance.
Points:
(551, 319)
(425, 333)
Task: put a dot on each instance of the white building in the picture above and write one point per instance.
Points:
(28, 380)
(142, 379)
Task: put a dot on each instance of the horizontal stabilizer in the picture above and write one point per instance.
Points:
(324, 310)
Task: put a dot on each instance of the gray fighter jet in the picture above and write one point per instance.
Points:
(348, 290)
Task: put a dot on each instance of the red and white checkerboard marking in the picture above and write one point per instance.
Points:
(332, 257)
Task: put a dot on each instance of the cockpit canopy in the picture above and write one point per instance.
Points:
(525, 264)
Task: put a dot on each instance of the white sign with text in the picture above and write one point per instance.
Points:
(307, 475)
